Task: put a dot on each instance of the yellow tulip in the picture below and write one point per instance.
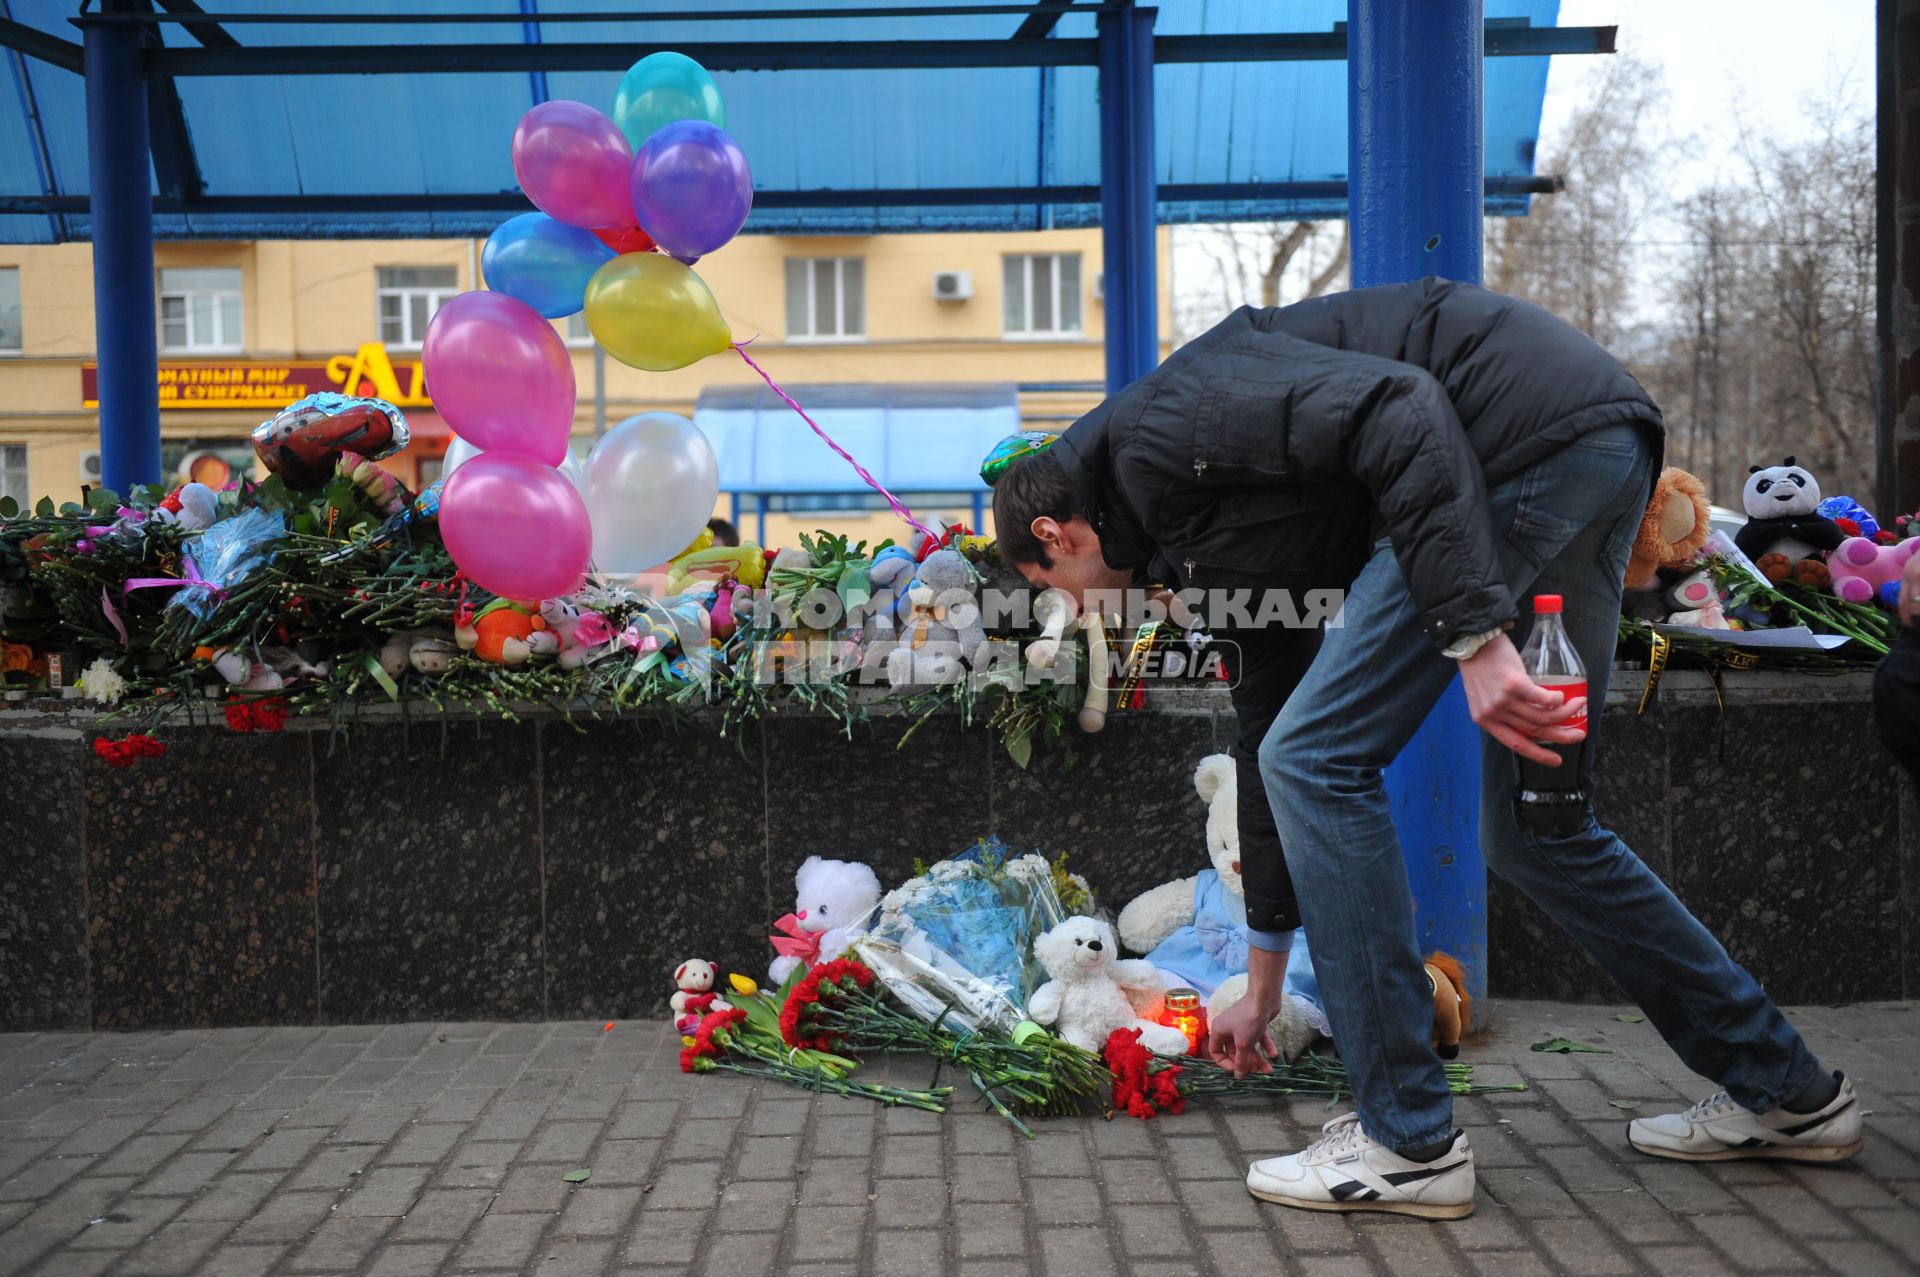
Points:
(743, 986)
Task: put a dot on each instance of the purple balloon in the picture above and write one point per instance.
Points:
(501, 376)
(691, 188)
(516, 527)
(575, 165)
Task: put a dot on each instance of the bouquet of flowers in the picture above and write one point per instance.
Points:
(955, 942)
(840, 1006)
(1147, 1085)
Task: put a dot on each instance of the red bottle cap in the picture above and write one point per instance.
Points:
(1544, 603)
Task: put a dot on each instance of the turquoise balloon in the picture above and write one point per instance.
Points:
(544, 263)
(661, 89)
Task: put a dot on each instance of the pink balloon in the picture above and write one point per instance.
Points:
(501, 376)
(575, 165)
(516, 527)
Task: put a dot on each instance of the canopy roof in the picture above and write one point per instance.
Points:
(856, 118)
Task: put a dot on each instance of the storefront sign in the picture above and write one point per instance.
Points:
(274, 385)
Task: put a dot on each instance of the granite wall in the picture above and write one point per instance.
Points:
(487, 870)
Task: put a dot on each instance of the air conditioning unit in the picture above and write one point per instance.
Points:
(952, 285)
(1099, 285)
(90, 471)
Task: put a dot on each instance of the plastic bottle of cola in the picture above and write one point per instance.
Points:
(1550, 800)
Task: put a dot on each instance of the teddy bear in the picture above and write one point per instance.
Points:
(939, 633)
(693, 994)
(1784, 528)
(1862, 570)
(832, 899)
(1695, 601)
(1087, 996)
(1191, 929)
(1675, 526)
(424, 651)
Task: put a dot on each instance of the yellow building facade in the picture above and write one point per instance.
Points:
(246, 327)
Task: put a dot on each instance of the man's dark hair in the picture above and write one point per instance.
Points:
(1033, 487)
(724, 533)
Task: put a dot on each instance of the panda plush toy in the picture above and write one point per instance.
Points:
(1784, 529)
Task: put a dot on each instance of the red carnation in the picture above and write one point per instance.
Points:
(1849, 526)
(1884, 537)
(121, 753)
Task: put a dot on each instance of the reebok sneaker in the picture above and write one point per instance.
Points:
(1718, 1130)
(1346, 1170)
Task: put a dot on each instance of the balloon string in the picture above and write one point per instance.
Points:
(871, 482)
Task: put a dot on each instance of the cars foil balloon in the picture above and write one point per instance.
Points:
(302, 443)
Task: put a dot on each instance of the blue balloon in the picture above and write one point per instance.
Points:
(543, 262)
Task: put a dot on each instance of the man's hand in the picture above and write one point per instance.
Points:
(1237, 1038)
(1512, 708)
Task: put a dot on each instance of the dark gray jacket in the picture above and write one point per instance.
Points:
(1272, 452)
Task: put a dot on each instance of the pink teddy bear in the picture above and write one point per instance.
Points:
(1861, 568)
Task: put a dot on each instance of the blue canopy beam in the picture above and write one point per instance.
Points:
(804, 55)
(1414, 145)
(916, 197)
(36, 43)
(1127, 194)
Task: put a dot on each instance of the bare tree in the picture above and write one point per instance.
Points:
(1259, 264)
(1575, 252)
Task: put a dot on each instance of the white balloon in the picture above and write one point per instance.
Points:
(651, 485)
(459, 452)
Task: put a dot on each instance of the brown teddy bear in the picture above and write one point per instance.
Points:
(1673, 529)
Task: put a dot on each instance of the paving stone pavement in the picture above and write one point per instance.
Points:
(442, 1148)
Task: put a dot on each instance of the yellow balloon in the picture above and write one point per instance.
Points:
(652, 312)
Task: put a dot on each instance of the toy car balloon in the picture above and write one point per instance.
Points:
(303, 442)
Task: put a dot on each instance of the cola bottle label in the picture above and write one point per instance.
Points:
(1570, 690)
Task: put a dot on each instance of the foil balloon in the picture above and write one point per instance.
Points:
(426, 505)
(1011, 449)
(304, 440)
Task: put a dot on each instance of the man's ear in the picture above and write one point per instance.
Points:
(1048, 532)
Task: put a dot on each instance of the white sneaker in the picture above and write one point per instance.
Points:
(1347, 1170)
(1718, 1130)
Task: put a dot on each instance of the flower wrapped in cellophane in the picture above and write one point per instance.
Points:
(955, 943)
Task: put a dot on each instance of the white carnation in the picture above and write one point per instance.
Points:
(102, 682)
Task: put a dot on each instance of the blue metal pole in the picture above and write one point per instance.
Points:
(1414, 151)
(121, 209)
(1127, 194)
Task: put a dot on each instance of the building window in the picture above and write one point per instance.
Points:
(826, 299)
(408, 297)
(13, 473)
(200, 309)
(10, 335)
(1042, 294)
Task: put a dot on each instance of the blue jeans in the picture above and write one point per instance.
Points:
(1563, 527)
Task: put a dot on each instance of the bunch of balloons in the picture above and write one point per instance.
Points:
(627, 205)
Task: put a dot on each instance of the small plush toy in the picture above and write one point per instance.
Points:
(1452, 1008)
(193, 507)
(940, 633)
(693, 992)
(503, 633)
(1695, 602)
(832, 897)
(1862, 569)
(1191, 929)
(1087, 997)
(572, 646)
(1783, 527)
(1675, 526)
(424, 651)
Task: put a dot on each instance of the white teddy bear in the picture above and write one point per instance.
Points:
(1088, 995)
(1191, 930)
(693, 994)
(832, 897)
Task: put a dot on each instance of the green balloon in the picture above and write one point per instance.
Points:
(661, 89)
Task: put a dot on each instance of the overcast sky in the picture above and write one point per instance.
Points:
(1722, 56)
